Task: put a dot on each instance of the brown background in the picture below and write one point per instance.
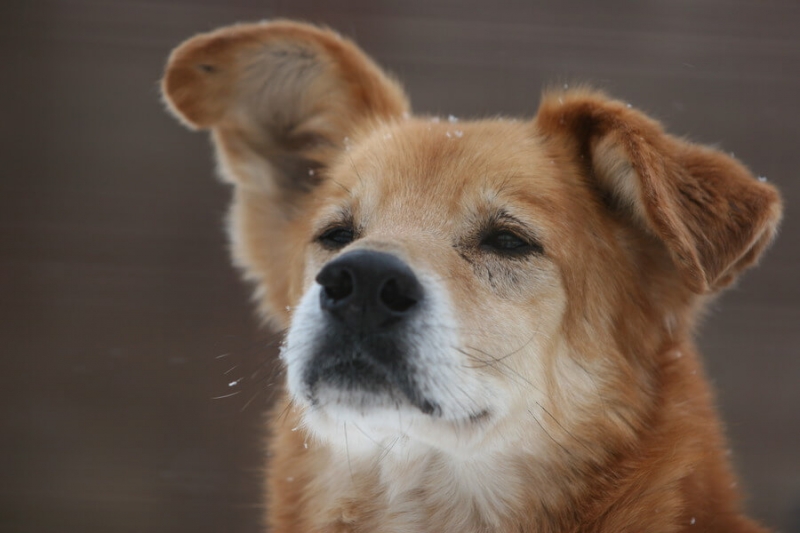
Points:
(116, 298)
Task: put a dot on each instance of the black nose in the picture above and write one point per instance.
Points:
(368, 290)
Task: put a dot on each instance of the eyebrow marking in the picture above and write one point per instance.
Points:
(341, 217)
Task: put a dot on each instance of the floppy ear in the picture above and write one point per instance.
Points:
(279, 96)
(712, 215)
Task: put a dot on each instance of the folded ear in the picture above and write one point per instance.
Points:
(712, 215)
(280, 98)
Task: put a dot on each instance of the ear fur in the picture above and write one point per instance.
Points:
(710, 212)
(279, 96)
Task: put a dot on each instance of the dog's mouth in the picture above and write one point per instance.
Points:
(355, 374)
(363, 382)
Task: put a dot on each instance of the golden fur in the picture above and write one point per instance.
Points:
(598, 417)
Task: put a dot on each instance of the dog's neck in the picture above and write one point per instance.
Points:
(418, 484)
(412, 485)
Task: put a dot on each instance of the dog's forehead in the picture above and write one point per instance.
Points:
(439, 170)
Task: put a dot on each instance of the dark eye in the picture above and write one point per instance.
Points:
(336, 238)
(507, 243)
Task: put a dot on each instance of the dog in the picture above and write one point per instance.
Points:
(488, 323)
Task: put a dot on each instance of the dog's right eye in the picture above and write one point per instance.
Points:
(336, 238)
(508, 243)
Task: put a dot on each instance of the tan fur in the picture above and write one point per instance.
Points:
(606, 422)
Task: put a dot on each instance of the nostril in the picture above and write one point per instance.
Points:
(395, 298)
(338, 285)
(368, 291)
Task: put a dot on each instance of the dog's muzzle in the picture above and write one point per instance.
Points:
(371, 304)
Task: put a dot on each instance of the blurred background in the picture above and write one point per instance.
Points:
(122, 323)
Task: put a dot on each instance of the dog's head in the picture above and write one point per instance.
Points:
(443, 280)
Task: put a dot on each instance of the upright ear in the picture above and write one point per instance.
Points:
(710, 212)
(279, 96)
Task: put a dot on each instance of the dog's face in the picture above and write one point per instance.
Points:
(463, 285)
(432, 296)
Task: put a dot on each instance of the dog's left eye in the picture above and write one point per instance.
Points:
(508, 243)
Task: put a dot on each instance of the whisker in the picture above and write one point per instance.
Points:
(506, 356)
(565, 430)
(336, 182)
(226, 395)
(284, 414)
(503, 367)
(249, 401)
(352, 164)
(549, 435)
(347, 450)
